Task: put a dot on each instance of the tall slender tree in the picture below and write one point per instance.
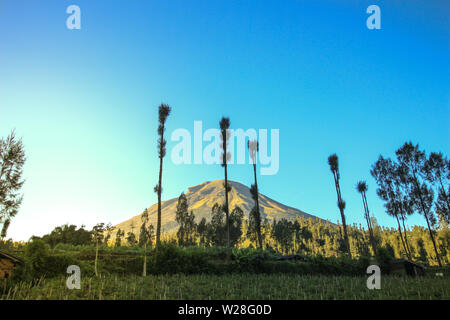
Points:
(163, 113)
(12, 159)
(334, 167)
(225, 135)
(253, 147)
(412, 162)
(361, 187)
(143, 239)
(98, 235)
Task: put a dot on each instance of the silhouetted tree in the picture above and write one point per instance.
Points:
(385, 173)
(12, 159)
(163, 113)
(412, 162)
(361, 187)
(225, 135)
(334, 167)
(437, 171)
(255, 216)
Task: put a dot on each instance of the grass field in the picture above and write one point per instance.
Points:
(241, 286)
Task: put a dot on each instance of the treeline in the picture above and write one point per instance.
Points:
(312, 237)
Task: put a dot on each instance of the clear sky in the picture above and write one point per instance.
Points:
(85, 101)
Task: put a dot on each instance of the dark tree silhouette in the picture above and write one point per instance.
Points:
(163, 113)
(385, 173)
(253, 147)
(225, 135)
(437, 171)
(12, 159)
(334, 167)
(361, 187)
(412, 163)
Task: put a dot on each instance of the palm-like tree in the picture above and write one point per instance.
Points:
(334, 167)
(253, 147)
(361, 187)
(224, 129)
(163, 113)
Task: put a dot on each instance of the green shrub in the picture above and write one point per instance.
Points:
(384, 257)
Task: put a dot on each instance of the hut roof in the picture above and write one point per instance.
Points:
(8, 256)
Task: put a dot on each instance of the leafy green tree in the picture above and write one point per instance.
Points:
(119, 236)
(236, 219)
(412, 162)
(36, 253)
(216, 229)
(283, 232)
(361, 187)
(186, 231)
(98, 236)
(163, 113)
(108, 230)
(131, 239)
(225, 135)
(334, 167)
(145, 237)
(202, 229)
(68, 234)
(12, 159)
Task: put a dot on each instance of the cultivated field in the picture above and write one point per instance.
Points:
(240, 286)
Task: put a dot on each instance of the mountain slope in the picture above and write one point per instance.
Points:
(201, 199)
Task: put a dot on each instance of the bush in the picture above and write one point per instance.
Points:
(383, 258)
(170, 259)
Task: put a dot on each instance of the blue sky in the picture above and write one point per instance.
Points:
(85, 101)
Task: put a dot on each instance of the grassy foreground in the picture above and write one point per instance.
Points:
(241, 286)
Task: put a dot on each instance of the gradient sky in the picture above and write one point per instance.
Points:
(85, 101)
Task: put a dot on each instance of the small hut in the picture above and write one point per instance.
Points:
(7, 264)
(405, 267)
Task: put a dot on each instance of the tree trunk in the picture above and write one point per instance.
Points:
(258, 216)
(406, 237)
(227, 212)
(369, 225)
(158, 224)
(401, 237)
(96, 258)
(344, 225)
(224, 138)
(144, 271)
(426, 218)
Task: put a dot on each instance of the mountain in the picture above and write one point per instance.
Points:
(201, 199)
